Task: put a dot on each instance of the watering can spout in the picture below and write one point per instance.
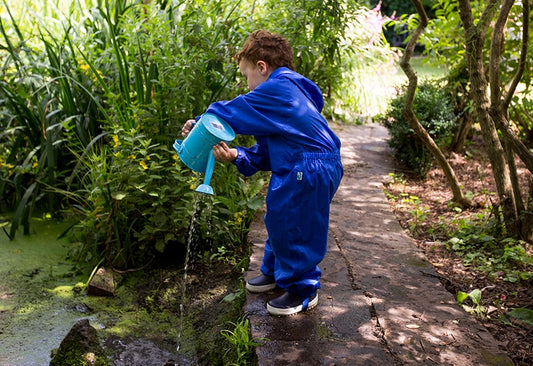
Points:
(196, 150)
(205, 187)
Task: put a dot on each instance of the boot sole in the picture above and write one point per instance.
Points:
(290, 311)
(262, 288)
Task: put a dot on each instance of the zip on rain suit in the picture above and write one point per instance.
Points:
(295, 143)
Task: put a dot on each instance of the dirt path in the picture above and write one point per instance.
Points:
(381, 302)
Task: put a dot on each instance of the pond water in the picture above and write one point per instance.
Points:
(42, 295)
(34, 306)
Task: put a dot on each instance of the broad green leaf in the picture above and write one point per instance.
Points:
(118, 196)
(475, 295)
(255, 203)
(461, 296)
(523, 314)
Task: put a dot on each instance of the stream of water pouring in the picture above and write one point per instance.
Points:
(190, 239)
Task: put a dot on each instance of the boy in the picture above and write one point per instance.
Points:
(283, 112)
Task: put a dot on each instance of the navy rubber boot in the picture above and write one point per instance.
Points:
(261, 283)
(288, 304)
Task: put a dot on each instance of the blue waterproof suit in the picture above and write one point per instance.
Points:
(296, 144)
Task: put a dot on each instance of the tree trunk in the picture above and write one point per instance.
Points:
(502, 122)
(459, 78)
(499, 109)
(527, 219)
(475, 38)
(459, 139)
(410, 115)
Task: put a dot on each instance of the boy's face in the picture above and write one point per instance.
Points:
(255, 74)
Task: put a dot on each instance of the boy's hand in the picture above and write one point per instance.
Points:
(187, 127)
(222, 152)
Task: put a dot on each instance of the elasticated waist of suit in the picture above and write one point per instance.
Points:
(321, 156)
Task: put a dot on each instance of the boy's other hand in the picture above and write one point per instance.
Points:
(222, 152)
(187, 127)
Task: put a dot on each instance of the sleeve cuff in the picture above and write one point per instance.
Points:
(240, 156)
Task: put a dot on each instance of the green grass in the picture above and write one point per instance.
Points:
(424, 68)
(379, 86)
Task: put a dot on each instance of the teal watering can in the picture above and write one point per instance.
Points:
(196, 150)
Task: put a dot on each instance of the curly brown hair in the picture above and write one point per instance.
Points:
(272, 48)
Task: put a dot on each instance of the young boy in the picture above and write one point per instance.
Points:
(283, 112)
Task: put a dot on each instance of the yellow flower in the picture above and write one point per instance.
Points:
(35, 164)
(147, 157)
(192, 186)
(175, 157)
(238, 217)
(143, 164)
(87, 70)
(132, 157)
(116, 141)
(85, 67)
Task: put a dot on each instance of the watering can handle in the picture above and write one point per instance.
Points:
(178, 146)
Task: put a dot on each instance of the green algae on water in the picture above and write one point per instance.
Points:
(36, 279)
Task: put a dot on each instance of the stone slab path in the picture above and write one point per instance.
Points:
(381, 302)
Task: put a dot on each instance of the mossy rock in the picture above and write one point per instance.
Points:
(80, 348)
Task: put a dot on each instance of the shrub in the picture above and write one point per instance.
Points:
(434, 109)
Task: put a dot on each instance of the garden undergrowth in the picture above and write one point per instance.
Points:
(490, 275)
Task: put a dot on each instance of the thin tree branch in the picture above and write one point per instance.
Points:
(496, 51)
(411, 117)
(523, 55)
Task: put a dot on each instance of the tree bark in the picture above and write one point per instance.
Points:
(459, 139)
(499, 110)
(459, 78)
(496, 111)
(409, 114)
(475, 36)
(503, 123)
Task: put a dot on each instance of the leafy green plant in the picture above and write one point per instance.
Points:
(397, 178)
(240, 341)
(47, 112)
(521, 316)
(475, 297)
(419, 215)
(434, 110)
(482, 248)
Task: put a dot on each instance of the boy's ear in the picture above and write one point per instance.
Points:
(263, 67)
